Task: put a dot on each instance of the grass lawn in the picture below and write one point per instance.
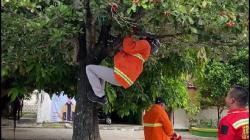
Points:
(204, 132)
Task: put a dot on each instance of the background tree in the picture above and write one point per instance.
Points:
(221, 73)
(47, 44)
(216, 84)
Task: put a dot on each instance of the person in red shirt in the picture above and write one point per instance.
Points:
(235, 125)
(128, 65)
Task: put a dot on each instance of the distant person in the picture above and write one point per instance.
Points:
(235, 125)
(68, 111)
(157, 125)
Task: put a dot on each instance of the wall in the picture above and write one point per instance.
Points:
(181, 118)
(31, 104)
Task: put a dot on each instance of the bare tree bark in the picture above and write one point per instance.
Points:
(85, 120)
(85, 125)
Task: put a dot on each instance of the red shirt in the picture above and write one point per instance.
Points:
(234, 126)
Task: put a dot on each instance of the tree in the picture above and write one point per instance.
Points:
(222, 74)
(47, 44)
(216, 84)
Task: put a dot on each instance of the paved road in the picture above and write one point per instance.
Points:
(122, 133)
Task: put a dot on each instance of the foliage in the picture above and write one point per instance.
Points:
(216, 83)
(207, 123)
(36, 47)
(240, 67)
(221, 75)
(40, 45)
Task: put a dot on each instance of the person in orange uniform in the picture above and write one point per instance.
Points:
(157, 125)
(128, 65)
(235, 125)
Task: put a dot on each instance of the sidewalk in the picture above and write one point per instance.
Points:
(27, 130)
(107, 132)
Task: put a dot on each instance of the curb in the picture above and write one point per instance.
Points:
(69, 126)
(121, 128)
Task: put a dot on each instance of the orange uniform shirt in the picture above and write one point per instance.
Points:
(128, 63)
(157, 125)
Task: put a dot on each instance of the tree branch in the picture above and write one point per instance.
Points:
(82, 52)
(169, 35)
(223, 43)
(192, 44)
(104, 34)
(106, 44)
(104, 50)
(138, 14)
(112, 49)
(88, 27)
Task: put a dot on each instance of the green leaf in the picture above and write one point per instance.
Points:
(4, 72)
(43, 73)
(182, 9)
(13, 93)
(145, 6)
(191, 21)
(204, 4)
(133, 8)
(223, 19)
(194, 30)
(30, 67)
(200, 22)
(111, 94)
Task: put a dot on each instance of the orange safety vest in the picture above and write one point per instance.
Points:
(157, 125)
(128, 63)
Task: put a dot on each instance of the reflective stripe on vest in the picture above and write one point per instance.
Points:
(240, 123)
(152, 124)
(123, 76)
(246, 111)
(140, 57)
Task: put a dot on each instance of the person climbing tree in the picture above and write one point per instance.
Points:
(128, 65)
(128, 61)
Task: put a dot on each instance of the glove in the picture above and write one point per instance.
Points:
(176, 137)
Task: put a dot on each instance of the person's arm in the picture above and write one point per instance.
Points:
(225, 130)
(167, 125)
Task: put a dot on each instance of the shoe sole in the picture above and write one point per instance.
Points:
(93, 101)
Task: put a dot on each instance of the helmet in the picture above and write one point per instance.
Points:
(153, 41)
(159, 100)
(155, 44)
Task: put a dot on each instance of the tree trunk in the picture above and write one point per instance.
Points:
(218, 115)
(85, 125)
(219, 111)
(169, 112)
